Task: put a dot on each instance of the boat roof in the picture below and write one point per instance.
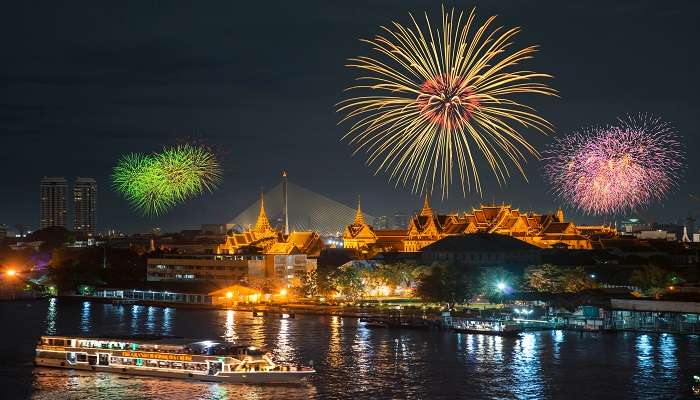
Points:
(149, 339)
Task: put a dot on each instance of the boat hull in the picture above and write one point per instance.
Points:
(492, 333)
(254, 377)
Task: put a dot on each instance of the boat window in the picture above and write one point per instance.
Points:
(81, 357)
(103, 359)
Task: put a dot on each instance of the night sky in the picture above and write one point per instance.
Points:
(84, 83)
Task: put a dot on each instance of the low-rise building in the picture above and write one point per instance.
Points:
(483, 250)
(227, 269)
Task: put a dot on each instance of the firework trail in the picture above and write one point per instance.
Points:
(435, 101)
(617, 168)
(155, 183)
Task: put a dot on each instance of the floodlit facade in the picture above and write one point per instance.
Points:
(427, 227)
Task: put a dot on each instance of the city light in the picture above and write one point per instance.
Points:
(229, 295)
(501, 286)
(11, 272)
(283, 292)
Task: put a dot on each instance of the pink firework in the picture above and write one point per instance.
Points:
(617, 168)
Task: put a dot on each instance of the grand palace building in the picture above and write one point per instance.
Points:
(427, 227)
(256, 252)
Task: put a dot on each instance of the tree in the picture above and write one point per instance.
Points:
(543, 278)
(445, 284)
(309, 284)
(574, 280)
(496, 284)
(652, 279)
(347, 280)
(552, 279)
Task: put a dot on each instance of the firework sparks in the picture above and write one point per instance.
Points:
(439, 100)
(155, 183)
(615, 169)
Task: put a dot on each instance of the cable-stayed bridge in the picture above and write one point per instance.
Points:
(308, 211)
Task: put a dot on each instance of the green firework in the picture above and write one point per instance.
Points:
(156, 182)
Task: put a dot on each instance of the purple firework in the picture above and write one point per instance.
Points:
(616, 168)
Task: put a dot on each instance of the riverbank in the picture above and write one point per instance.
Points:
(420, 317)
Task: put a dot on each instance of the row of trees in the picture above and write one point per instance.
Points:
(353, 281)
(457, 285)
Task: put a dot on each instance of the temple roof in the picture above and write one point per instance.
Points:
(480, 242)
(426, 211)
(359, 217)
(262, 225)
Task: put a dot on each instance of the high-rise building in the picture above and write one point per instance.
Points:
(53, 201)
(400, 221)
(381, 222)
(84, 205)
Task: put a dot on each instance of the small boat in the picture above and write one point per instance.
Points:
(373, 323)
(485, 327)
(167, 357)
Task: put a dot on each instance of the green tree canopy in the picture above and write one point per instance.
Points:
(445, 284)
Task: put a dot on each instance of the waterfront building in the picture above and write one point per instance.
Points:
(427, 227)
(53, 210)
(260, 252)
(84, 205)
(223, 269)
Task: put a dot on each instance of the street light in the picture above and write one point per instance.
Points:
(11, 272)
(501, 286)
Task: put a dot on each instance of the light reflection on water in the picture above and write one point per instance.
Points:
(230, 334)
(354, 362)
(51, 315)
(85, 317)
(167, 320)
(526, 367)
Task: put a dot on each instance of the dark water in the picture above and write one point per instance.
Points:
(352, 361)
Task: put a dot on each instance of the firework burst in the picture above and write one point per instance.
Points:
(617, 168)
(439, 99)
(154, 183)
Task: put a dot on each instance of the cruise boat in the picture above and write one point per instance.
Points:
(167, 357)
(485, 327)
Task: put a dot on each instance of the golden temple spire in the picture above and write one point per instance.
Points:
(359, 217)
(262, 224)
(426, 211)
(560, 214)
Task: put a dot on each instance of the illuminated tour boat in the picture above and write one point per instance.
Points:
(485, 327)
(167, 357)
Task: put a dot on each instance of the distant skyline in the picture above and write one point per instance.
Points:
(86, 83)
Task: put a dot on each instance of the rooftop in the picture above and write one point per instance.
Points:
(480, 242)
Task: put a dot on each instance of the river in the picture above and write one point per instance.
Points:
(353, 362)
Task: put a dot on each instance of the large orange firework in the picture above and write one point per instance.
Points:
(439, 99)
